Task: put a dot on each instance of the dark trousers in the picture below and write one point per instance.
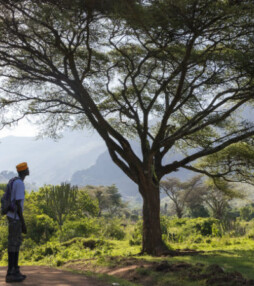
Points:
(14, 242)
(14, 237)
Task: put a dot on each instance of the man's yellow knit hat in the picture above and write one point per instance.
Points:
(22, 167)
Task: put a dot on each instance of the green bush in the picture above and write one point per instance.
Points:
(40, 228)
(136, 235)
(198, 210)
(113, 230)
(183, 229)
(81, 228)
(55, 253)
(247, 213)
(198, 239)
(91, 243)
(207, 227)
(216, 229)
(28, 244)
(3, 235)
(164, 224)
(203, 226)
(46, 250)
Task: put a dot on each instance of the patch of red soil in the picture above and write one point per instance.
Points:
(45, 276)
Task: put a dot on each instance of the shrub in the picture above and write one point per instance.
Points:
(91, 243)
(183, 229)
(198, 239)
(81, 228)
(3, 235)
(113, 230)
(216, 230)
(136, 235)
(247, 213)
(179, 230)
(206, 226)
(28, 244)
(48, 249)
(40, 228)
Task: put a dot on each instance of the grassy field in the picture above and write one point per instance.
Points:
(231, 254)
(237, 257)
(204, 254)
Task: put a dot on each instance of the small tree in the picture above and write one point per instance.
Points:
(116, 206)
(247, 212)
(218, 196)
(60, 201)
(86, 205)
(109, 199)
(182, 193)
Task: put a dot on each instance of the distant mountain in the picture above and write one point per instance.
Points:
(105, 172)
(51, 162)
(79, 157)
(5, 176)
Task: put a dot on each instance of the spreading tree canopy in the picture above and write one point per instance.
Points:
(232, 164)
(173, 75)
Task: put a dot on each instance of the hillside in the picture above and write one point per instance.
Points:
(105, 172)
(78, 157)
(51, 162)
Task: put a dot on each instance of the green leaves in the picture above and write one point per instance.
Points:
(234, 163)
(86, 205)
(59, 201)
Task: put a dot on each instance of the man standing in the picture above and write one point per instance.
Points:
(16, 224)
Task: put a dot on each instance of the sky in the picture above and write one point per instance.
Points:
(22, 129)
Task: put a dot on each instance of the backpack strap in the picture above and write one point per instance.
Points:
(11, 186)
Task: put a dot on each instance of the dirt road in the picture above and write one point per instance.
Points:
(45, 276)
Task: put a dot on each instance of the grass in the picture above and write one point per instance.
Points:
(174, 280)
(231, 253)
(240, 261)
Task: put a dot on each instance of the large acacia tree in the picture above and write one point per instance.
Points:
(170, 74)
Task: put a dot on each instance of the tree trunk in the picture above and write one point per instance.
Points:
(152, 236)
(179, 212)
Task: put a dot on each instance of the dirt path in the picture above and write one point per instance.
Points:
(45, 276)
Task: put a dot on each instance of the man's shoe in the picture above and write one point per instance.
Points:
(12, 276)
(17, 271)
